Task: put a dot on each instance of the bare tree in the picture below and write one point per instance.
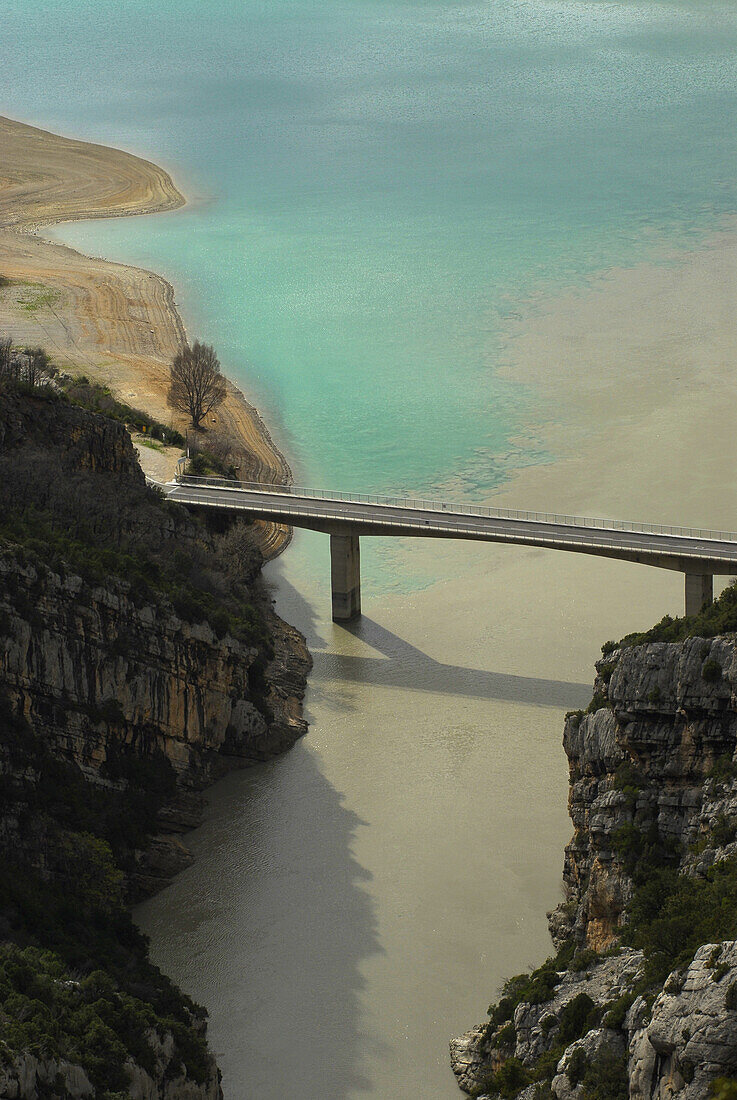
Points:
(37, 369)
(196, 385)
(6, 365)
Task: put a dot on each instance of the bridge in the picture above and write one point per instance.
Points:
(698, 554)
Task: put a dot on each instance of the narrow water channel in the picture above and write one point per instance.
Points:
(357, 902)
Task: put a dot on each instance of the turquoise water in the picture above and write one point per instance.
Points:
(377, 186)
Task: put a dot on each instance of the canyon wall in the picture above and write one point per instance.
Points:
(140, 658)
(641, 997)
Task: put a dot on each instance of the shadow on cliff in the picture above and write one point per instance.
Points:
(269, 930)
(403, 665)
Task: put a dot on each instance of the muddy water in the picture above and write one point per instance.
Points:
(357, 902)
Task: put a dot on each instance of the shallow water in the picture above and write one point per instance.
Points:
(376, 189)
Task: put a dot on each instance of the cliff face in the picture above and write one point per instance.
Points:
(97, 676)
(640, 763)
(641, 999)
(106, 667)
(139, 659)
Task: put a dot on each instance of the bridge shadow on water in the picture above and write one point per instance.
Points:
(270, 928)
(404, 666)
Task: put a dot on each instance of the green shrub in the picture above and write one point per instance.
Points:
(723, 1088)
(535, 988)
(618, 1010)
(577, 1066)
(711, 671)
(91, 1022)
(577, 1018)
(724, 769)
(671, 915)
(598, 702)
(627, 843)
(205, 464)
(511, 1077)
(628, 775)
(506, 1036)
(723, 830)
(606, 1078)
(720, 617)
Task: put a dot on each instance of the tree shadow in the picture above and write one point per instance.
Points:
(270, 927)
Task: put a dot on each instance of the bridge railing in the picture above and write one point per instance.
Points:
(456, 509)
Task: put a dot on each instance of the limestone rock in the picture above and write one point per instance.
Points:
(537, 1026)
(692, 1036)
(468, 1058)
(26, 1077)
(592, 1045)
(657, 755)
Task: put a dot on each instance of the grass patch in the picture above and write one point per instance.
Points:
(139, 442)
(39, 297)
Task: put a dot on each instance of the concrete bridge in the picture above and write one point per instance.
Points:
(698, 554)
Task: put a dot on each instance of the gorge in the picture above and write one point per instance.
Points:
(481, 250)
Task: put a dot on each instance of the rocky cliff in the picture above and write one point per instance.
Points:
(641, 998)
(139, 659)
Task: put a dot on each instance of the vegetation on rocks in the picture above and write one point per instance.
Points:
(641, 998)
(91, 395)
(86, 548)
(720, 617)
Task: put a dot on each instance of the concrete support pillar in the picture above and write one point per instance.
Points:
(699, 592)
(345, 576)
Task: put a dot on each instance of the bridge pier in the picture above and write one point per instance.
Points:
(699, 592)
(345, 576)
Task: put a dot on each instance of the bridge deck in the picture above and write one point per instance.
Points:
(684, 549)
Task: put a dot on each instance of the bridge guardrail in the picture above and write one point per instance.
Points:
(450, 509)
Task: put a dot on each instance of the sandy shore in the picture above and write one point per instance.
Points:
(116, 324)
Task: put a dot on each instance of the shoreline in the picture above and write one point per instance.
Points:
(115, 323)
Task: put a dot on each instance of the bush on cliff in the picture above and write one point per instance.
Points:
(91, 395)
(672, 914)
(719, 617)
(50, 1011)
(73, 503)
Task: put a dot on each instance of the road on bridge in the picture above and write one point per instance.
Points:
(698, 553)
